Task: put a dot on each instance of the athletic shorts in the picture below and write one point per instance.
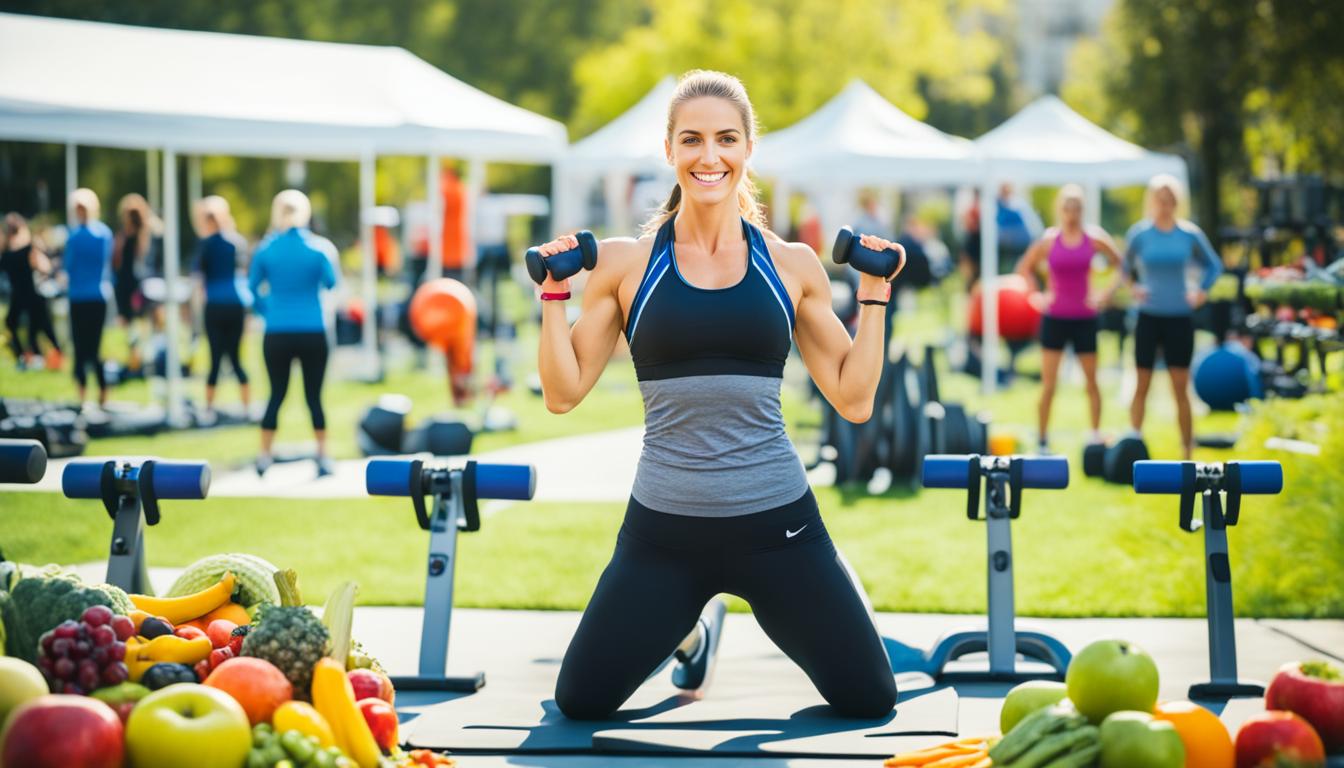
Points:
(1174, 336)
(1079, 332)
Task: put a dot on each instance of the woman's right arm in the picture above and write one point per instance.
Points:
(1029, 265)
(570, 360)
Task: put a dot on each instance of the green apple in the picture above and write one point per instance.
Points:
(1136, 740)
(1109, 676)
(19, 682)
(188, 724)
(1027, 698)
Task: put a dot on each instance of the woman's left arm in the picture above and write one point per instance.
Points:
(845, 370)
(1213, 266)
(1101, 240)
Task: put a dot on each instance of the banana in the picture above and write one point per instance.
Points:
(1030, 730)
(179, 609)
(335, 700)
(1057, 745)
(1085, 757)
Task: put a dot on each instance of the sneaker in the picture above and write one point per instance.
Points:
(54, 359)
(264, 462)
(325, 467)
(692, 671)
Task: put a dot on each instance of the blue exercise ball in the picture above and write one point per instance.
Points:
(1227, 375)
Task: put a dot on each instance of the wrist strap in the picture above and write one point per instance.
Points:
(555, 296)
(873, 302)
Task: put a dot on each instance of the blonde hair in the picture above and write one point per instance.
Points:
(213, 208)
(696, 84)
(290, 209)
(1068, 193)
(86, 199)
(1171, 184)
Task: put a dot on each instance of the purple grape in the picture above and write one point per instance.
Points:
(48, 638)
(97, 615)
(81, 649)
(123, 627)
(45, 664)
(100, 655)
(67, 629)
(116, 651)
(73, 689)
(60, 647)
(102, 635)
(64, 669)
(88, 676)
(115, 673)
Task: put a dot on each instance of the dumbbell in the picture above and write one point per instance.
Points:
(22, 461)
(565, 263)
(1114, 463)
(848, 250)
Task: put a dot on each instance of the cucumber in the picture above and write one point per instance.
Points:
(255, 578)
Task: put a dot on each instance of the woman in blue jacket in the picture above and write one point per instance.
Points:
(295, 266)
(1160, 250)
(87, 262)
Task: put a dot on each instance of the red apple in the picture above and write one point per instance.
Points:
(370, 684)
(220, 632)
(1315, 691)
(58, 731)
(382, 720)
(1274, 738)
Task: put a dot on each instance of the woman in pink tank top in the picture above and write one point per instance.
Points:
(1066, 250)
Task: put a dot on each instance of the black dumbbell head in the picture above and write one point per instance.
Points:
(843, 240)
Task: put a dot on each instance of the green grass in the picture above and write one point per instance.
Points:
(1091, 550)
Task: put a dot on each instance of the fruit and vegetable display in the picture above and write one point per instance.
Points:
(1106, 714)
(229, 669)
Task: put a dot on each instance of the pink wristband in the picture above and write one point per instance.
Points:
(555, 296)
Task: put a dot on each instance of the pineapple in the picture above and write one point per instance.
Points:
(288, 635)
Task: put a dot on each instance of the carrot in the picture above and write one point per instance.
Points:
(963, 752)
(960, 761)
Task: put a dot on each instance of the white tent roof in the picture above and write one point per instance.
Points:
(632, 142)
(204, 92)
(859, 138)
(1048, 143)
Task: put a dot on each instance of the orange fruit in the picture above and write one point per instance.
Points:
(1207, 741)
(254, 683)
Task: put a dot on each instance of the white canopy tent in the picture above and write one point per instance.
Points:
(207, 93)
(629, 145)
(860, 139)
(1047, 143)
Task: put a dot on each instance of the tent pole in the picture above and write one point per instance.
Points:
(779, 208)
(434, 232)
(559, 199)
(989, 285)
(369, 331)
(152, 187)
(71, 179)
(195, 188)
(171, 247)
(475, 188)
(1092, 203)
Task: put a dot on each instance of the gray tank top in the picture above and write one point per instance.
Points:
(710, 364)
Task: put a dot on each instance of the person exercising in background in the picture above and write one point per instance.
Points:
(710, 303)
(87, 262)
(1158, 251)
(20, 259)
(1070, 317)
(219, 258)
(295, 265)
(132, 254)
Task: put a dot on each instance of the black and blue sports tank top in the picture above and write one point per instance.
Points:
(710, 364)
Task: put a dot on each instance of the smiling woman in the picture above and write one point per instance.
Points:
(710, 303)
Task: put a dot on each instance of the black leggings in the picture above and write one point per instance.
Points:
(86, 332)
(34, 308)
(224, 331)
(667, 567)
(280, 350)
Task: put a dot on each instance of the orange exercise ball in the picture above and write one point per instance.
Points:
(443, 315)
(1019, 315)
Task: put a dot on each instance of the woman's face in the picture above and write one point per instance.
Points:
(1164, 204)
(708, 149)
(1070, 212)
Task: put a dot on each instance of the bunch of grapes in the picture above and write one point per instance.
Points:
(80, 656)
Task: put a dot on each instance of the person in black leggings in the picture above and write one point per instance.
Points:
(295, 265)
(219, 256)
(710, 304)
(87, 263)
(21, 258)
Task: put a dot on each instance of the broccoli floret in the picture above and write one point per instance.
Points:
(40, 602)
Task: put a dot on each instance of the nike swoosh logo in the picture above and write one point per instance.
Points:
(790, 534)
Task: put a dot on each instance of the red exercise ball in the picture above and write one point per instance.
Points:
(443, 315)
(1019, 317)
